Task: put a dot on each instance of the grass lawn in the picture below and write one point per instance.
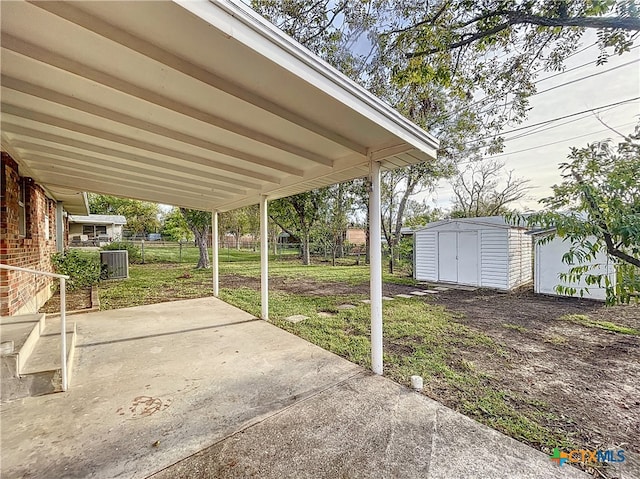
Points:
(420, 338)
(550, 372)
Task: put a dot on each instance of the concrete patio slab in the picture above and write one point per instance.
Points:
(369, 427)
(200, 389)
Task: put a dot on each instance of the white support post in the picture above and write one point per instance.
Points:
(63, 334)
(214, 253)
(59, 227)
(375, 268)
(264, 259)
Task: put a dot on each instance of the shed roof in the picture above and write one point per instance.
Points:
(195, 103)
(487, 221)
(98, 219)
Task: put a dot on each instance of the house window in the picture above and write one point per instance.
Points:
(101, 230)
(88, 230)
(22, 216)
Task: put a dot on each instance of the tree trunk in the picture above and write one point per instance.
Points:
(201, 238)
(306, 255)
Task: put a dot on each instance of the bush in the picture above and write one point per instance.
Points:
(134, 251)
(82, 268)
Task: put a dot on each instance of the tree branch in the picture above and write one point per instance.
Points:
(611, 249)
(517, 18)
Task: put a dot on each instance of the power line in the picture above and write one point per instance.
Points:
(574, 81)
(586, 77)
(540, 129)
(557, 142)
(488, 97)
(591, 62)
(545, 122)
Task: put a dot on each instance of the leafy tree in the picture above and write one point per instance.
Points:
(398, 187)
(297, 215)
(420, 214)
(199, 223)
(482, 189)
(142, 216)
(601, 190)
(239, 222)
(494, 49)
(175, 226)
(331, 229)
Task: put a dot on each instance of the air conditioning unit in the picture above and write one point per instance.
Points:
(116, 263)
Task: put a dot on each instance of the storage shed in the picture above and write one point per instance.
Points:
(486, 252)
(548, 266)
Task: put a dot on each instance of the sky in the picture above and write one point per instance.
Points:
(539, 163)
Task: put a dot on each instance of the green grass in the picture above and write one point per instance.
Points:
(584, 320)
(420, 338)
(515, 327)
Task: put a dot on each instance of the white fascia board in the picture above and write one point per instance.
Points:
(249, 28)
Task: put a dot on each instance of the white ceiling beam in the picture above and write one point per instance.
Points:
(143, 145)
(156, 163)
(79, 17)
(125, 192)
(118, 117)
(95, 162)
(49, 57)
(79, 175)
(51, 160)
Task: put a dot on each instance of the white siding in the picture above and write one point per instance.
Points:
(549, 265)
(503, 252)
(494, 263)
(426, 256)
(520, 251)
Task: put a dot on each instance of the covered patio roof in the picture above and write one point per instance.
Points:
(201, 104)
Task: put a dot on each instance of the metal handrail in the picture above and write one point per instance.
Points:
(63, 314)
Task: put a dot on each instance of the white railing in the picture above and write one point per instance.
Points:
(63, 314)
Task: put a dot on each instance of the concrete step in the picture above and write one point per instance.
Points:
(18, 336)
(41, 372)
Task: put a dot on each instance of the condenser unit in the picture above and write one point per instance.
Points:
(115, 263)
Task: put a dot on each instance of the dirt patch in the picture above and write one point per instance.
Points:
(308, 287)
(589, 377)
(76, 300)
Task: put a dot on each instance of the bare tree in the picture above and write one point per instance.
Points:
(482, 189)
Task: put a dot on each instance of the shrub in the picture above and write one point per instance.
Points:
(82, 268)
(134, 251)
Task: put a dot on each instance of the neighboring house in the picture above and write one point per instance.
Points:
(356, 236)
(548, 266)
(96, 228)
(33, 226)
(486, 252)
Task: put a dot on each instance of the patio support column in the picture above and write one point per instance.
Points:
(214, 252)
(59, 227)
(375, 268)
(264, 259)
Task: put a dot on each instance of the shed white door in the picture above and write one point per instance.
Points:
(458, 257)
(448, 257)
(468, 257)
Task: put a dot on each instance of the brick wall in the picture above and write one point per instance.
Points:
(18, 291)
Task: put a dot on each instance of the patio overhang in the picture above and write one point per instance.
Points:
(201, 104)
(195, 103)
